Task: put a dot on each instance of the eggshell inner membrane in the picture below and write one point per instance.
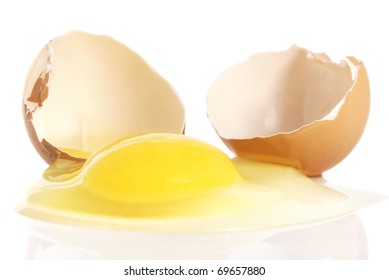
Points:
(278, 92)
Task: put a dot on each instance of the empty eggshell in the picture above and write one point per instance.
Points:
(293, 107)
(84, 91)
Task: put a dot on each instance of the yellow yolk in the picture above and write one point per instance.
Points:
(158, 168)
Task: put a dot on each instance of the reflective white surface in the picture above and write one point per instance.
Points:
(361, 235)
(341, 239)
(356, 236)
(307, 234)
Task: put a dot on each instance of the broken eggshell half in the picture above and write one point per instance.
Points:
(84, 91)
(292, 107)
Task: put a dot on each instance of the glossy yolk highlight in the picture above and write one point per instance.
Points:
(158, 168)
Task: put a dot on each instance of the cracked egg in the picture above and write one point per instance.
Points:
(110, 127)
(84, 91)
(292, 107)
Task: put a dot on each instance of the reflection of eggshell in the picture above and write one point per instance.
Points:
(84, 91)
(294, 107)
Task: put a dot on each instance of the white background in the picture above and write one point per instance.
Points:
(190, 43)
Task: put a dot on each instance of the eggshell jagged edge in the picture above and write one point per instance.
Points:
(318, 146)
(37, 90)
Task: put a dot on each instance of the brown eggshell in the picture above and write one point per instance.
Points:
(318, 146)
(84, 91)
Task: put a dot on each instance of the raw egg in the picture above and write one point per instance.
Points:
(84, 91)
(174, 183)
(111, 129)
(292, 107)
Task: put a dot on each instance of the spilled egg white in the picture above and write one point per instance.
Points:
(246, 194)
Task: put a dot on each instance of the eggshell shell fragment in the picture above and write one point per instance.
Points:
(84, 91)
(297, 108)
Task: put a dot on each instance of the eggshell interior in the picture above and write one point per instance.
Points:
(293, 107)
(85, 91)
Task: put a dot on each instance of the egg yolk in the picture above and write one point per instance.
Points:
(158, 168)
